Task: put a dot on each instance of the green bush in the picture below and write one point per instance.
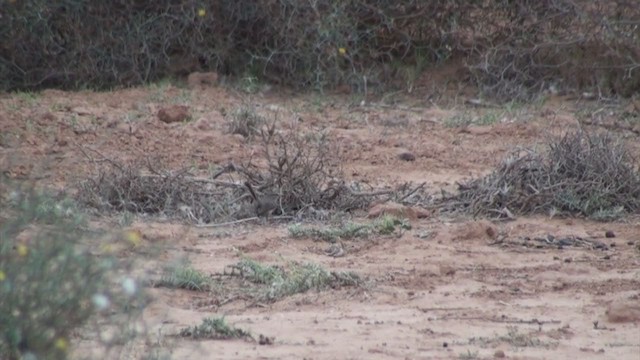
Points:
(511, 49)
(50, 285)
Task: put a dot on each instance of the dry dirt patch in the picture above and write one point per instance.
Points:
(445, 287)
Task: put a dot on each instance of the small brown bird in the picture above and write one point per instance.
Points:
(264, 205)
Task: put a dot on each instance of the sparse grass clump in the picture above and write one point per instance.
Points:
(185, 277)
(214, 328)
(515, 338)
(50, 283)
(384, 226)
(246, 121)
(331, 234)
(468, 118)
(144, 187)
(293, 279)
(259, 273)
(590, 175)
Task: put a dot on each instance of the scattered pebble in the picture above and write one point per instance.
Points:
(623, 312)
(406, 156)
(265, 340)
(173, 114)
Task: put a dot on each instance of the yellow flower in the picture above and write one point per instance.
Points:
(61, 344)
(108, 248)
(202, 12)
(2, 275)
(23, 250)
(133, 237)
(342, 51)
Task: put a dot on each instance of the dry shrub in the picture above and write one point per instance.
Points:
(512, 49)
(303, 170)
(300, 169)
(140, 187)
(580, 173)
(559, 45)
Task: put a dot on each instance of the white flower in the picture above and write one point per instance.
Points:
(129, 286)
(100, 301)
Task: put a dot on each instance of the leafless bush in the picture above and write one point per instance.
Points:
(557, 45)
(304, 172)
(246, 121)
(585, 174)
(139, 187)
(301, 170)
(512, 49)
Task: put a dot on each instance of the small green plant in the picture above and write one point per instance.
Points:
(50, 284)
(246, 121)
(331, 234)
(214, 328)
(469, 355)
(514, 338)
(28, 97)
(250, 84)
(259, 273)
(159, 90)
(387, 225)
(295, 278)
(185, 277)
(384, 226)
(183, 98)
(517, 339)
(467, 118)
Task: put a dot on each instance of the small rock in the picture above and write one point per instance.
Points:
(499, 354)
(265, 340)
(82, 111)
(491, 232)
(446, 270)
(477, 130)
(621, 312)
(203, 124)
(406, 156)
(126, 128)
(112, 123)
(174, 113)
(48, 116)
(202, 79)
(609, 234)
(61, 142)
(397, 210)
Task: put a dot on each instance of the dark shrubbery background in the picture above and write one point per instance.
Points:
(510, 49)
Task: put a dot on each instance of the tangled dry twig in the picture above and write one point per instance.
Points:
(587, 174)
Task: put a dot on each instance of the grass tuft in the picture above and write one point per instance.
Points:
(185, 277)
(214, 328)
(386, 225)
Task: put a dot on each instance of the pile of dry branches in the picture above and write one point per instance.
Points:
(585, 174)
(301, 171)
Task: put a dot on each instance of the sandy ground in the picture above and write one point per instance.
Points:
(449, 288)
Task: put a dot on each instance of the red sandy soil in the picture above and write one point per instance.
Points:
(446, 289)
